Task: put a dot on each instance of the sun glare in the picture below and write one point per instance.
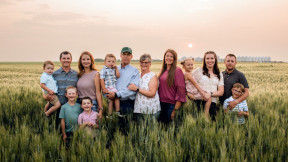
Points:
(190, 45)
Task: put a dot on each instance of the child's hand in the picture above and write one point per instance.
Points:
(114, 66)
(64, 137)
(50, 92)
(240, 113)
(105, 90)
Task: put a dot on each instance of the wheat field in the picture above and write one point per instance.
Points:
(27, 135)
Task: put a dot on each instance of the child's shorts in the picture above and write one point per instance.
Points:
(111, 89)
(56, 99)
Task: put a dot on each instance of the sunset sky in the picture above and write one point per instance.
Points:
(38, 30)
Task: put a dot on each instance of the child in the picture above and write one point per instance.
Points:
(69, 115)
(49, 86)
(241, 109)
(193, 90)
(88, 117)
(108, 76)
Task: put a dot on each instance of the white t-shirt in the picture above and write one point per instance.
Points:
(49, 81)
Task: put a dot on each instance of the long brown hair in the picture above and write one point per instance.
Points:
(171, 72)
(81, 67)
(215, 67)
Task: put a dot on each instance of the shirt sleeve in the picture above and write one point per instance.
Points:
(243, 81)
(221, 82)
(179, 81)
(102, 73)
(197, 74)
(62, 113)
(80, 119)
(43, 79)
(126, 93)
(225, 104)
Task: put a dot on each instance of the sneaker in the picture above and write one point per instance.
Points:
(118, 114)
(109, 117)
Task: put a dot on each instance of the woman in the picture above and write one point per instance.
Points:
(147, 98)
(89, 81)
(172, 90)
(210, 79)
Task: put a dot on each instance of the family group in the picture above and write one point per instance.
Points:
(76, 97)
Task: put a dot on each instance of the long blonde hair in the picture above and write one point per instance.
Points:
(81, 67)
(171, 72)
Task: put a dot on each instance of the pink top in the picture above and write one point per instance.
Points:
(86, 85)
(177, 92)
(87, 118)
(190, 88)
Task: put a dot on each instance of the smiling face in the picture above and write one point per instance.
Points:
(110, 62)
(145, 65)
(169, 58)
(49, 69)
(188, 65)
(66, 60)
(230, 63)
(86, 105)
(210, 60)
(126, 58)
(71, 94)
(86, 61)
(236, 92)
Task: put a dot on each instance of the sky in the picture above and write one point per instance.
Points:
(39, 30)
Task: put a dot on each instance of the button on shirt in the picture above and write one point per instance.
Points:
(109, 76)
(229, 80)
(64, 80)
(128, 75)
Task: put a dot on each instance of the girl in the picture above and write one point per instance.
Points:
(194, 92)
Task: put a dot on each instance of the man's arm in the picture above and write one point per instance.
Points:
(125, 93)
(232, 104)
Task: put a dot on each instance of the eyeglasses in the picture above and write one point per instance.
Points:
(142, 62)
(237, 91)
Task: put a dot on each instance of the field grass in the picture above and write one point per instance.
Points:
(26, 134)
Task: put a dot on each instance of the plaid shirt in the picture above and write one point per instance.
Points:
(109, 76)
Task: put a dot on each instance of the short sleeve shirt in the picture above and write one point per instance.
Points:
(64, 80)
(70, 114)
(49, 81)
(109, 76)
(208, 84)
(242, 106)
(229, 80)
(87, 118)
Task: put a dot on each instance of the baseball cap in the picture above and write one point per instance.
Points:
(126, 49)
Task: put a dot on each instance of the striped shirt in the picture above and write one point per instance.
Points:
(64, 80)
(109, 76)
(242, 106)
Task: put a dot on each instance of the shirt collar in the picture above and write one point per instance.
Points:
(62, 70)
(231, 72)
(127, 66)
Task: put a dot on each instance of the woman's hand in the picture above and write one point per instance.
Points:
(132, 87)
(100, 115)
(206, 96)
(173, 114)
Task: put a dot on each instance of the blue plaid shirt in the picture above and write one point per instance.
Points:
(109, 76)
(64, 80)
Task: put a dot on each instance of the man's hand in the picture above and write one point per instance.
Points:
(132, 87)
(111, 95)
(48, 97)
(232, 104)
(50, 92)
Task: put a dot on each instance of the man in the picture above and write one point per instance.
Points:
(231, 76)
(128, 75)
(64, 77)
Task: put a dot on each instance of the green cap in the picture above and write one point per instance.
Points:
(126, 49)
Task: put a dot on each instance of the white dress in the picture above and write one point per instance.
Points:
(143, 104)
(208, 84)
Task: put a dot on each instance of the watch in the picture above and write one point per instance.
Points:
(137, 90)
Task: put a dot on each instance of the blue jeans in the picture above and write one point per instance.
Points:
(126, 107)
(166, 111)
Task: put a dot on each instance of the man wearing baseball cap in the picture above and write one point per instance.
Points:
(128, 75)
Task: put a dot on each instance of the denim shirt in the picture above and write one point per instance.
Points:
(128, 75)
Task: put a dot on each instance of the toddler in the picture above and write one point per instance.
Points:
(49, 86)
(108, 76)
(193, 90)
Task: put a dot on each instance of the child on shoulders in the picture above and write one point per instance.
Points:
(240, 111)
(49, 86)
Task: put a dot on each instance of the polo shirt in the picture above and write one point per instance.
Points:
(229, 80)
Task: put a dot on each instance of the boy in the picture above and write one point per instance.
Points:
(241, 109)
(108, 76)
(49, 86)
(69, 115)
